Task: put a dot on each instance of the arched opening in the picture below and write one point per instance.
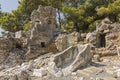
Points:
(42, 44)
(101, 40)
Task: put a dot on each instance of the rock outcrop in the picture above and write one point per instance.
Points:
(70, 59)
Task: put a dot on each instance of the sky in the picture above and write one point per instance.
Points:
(8, 6)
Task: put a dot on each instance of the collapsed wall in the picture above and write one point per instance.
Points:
(105, 38)
(63, 41)
(37, 41)
(40, 35)
(11, 53)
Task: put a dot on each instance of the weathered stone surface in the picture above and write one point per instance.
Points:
(8, 34)
(89, 71)
(15, 57)
(110, 36)
(91, 37)
(53, 69)
(9, 78)
(25, 70)
(11, 52)
(62, 42)
(40, 35)
(73, 38)
(23, 76)
(83, 35)
(19, 34)
(96, 58)
(42, 18)
(6, 44)
(104, 34)
(105, 38)
(105, 78)
(42, 38)
(73, 58)
(118, 51)
(39, 72)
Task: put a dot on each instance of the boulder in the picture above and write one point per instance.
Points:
(71, 59)
(53, 69)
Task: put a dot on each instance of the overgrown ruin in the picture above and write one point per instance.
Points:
(44, 52)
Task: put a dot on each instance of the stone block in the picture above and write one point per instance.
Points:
(19, 34)
(39, 72)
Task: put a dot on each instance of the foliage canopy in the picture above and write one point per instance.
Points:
(79, 15)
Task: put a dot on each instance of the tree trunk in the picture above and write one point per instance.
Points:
(59, 18)
(76, 27)
(115, 18)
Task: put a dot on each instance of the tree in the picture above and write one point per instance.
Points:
(79, 15)
(8, 22)
(81, 12)
(0, 9)
(112, 10)
(24, 10)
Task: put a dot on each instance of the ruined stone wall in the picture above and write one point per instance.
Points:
(63, 41)
(105, 38)
(40, 35)
(42, 25)
(38, 41)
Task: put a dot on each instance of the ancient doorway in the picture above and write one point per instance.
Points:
(42, 44)
(102, 40)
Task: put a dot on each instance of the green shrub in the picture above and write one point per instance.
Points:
(26, 26)
(92, 26)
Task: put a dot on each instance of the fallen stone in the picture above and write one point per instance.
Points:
(19, 34)
(71, 59)
(39, 72)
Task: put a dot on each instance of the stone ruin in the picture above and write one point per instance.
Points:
(46, 50)
(105, 39)
(41, 39)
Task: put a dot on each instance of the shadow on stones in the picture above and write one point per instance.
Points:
(97, 64)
